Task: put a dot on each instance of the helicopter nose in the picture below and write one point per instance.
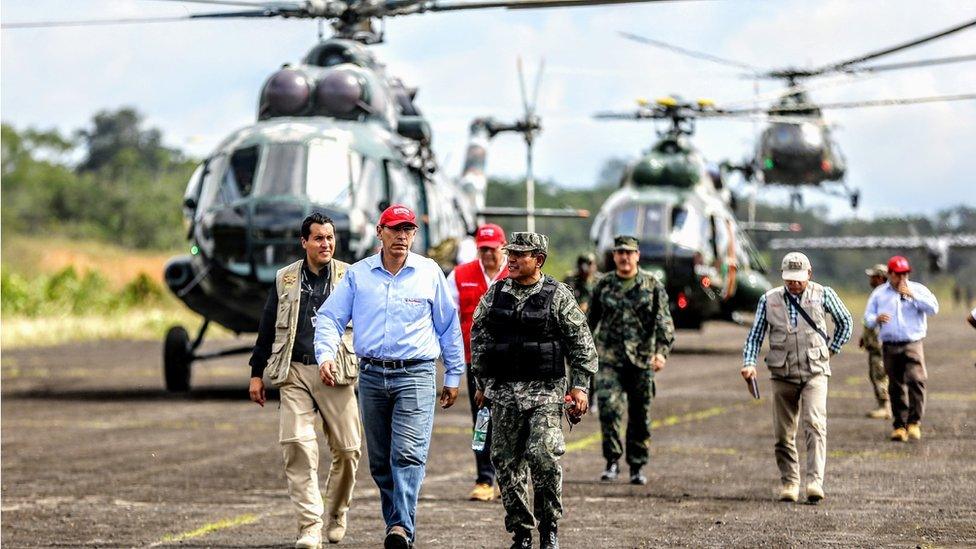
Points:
(264, 233)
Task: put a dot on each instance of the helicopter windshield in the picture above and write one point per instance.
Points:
(645, 221)
(330, 169)
(322, 171)
(282, 170)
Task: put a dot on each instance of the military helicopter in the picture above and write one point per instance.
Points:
(680, 211)
(335, 133)
(796, 148)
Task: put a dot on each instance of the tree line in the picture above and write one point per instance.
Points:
(112, 181)
(116, 181)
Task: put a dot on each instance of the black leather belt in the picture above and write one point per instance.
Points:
(906, 342)
(394, 363)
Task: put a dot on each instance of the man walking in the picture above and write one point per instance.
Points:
(877, 276)
(582, 280)
(285, 352)
(900, 309)
(525, 330)
(799, 364)
(634, 333)
(404, 318)
(467, 283)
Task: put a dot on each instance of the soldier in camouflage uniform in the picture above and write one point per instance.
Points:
(526, 328)
(870, 342)
(582, 280)
(633, 331)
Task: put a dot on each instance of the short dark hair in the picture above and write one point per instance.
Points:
(315, 217)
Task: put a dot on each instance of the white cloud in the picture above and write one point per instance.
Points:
(200, 80)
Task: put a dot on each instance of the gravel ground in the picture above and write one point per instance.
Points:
(95, 453)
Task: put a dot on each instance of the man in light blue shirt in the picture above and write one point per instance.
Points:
(405, 318)
(900, 308)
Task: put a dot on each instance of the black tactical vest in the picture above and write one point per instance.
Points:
(525, 343)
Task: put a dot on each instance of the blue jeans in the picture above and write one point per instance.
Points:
(397, 406)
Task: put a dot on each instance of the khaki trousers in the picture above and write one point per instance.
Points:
(303, 399)
(809, 400)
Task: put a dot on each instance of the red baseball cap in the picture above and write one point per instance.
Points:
(397, 215)
(898, 264)
(489, 235)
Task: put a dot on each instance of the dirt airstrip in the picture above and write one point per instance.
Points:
(95, 453)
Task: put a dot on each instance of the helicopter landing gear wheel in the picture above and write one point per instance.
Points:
(177, 357)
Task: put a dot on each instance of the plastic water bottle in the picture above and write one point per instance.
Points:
(481, 429)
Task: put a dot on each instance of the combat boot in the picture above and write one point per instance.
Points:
(815, 493)
(899, 435)
(612, 472)
(636, 477)
(310, 538)
(336, 530)
(789, 492)
(914, 431)
(522, 539)
(548, 537)
(882, 412)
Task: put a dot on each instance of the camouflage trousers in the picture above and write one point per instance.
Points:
(527, 444)
(878, 376)
(625, 390)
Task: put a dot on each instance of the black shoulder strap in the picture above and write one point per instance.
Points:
(805, 316)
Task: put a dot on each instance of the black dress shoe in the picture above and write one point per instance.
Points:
(548, 538)
(636, 477)
(612, 472)
(396, 541)
(522, 540)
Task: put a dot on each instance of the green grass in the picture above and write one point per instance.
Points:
(88, 291)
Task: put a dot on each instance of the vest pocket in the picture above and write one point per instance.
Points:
(347, 362)
(284, 316)
(818, 357)
(275, 360)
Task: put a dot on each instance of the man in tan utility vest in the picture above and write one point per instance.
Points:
(285, 353)
(799, 364)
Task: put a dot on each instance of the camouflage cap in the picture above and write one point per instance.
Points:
(586, 258)
(623, 242)
(528, 242)
(877, 270)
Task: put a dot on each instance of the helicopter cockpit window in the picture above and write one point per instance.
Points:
(282, 171)
(624, 221)
(330, 173)
(240, 176)
(688, 228)
(653, 227)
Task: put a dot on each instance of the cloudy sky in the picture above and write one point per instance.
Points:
(199, 80)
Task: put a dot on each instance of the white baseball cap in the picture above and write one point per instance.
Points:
(796, 267)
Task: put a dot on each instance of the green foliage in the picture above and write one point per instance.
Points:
(127, 188)
(68, 293)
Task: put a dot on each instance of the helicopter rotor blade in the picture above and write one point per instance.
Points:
(687, 52)
(538, 84)
(839, 66)
(912, 64)
(643, 114)
(448, 5)
(889, 102)
(521, 75)
(242, 4)
(137, 20)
